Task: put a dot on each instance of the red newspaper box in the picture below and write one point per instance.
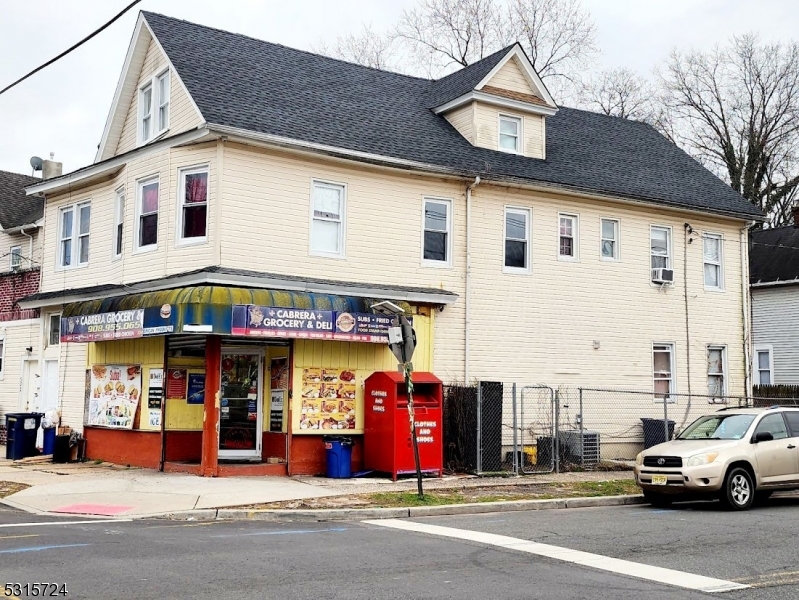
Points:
(387, 442)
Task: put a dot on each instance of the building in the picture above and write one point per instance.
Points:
(244, 191)
(20, 329)
(774, 268)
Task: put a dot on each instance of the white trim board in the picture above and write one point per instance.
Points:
(618, 566)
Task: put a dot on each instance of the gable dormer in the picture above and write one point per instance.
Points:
(498, 103)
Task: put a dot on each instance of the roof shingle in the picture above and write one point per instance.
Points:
(774, 255)
(15, 207)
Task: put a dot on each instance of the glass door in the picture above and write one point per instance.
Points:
(240, 424)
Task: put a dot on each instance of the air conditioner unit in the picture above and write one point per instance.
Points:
(581, 447)
(662, 276)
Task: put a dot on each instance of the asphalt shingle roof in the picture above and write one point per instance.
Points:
(267, 88)
(463, 81)
(15, 207)
(774, 255)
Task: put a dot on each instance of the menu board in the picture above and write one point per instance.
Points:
(176, 384)
(155, 391)
(328, 399)
(114, 396)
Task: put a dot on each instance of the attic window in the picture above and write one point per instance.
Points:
(154, 107)
(510, 132)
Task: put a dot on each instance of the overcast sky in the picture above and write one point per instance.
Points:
(63, 108)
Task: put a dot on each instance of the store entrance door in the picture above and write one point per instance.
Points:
(241, 415)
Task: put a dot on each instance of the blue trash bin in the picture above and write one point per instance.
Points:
(21, 429)
(48, 440)
(339, 457)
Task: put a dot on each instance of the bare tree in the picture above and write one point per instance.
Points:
(620, 93)
(736, 109)
(369, 48)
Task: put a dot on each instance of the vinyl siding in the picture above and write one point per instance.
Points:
(17, 336)
(462, 119)
(511, 77)
(8, 241)
(182, 113)
(775, 321)
(486, 119)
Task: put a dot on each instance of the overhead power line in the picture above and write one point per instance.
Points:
(68, 50)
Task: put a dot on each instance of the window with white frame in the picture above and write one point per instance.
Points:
(764, 360)
(510, 134)
(609, 239)
(74, 226)
(147, 215)
(712, 259)
(54, 329)
(716, 371)
(568, 236)
(154, 107)
(660, 247)
(16, 258)
(193, 204)
(517, 239)
(663, 362)
(328, 207)
(437, 231)
(119, 222)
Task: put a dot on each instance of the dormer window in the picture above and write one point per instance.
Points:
(154, 107)
(510, 134)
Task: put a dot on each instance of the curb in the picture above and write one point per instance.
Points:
(356, 514)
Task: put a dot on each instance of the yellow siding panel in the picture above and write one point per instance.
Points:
(462, 119)
(510, 77)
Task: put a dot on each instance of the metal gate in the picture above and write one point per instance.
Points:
(536, 443)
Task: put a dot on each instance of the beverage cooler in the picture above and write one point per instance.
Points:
(387, 441)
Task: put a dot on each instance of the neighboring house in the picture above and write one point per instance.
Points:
(20, 261)
(774, 277)
(243, 189)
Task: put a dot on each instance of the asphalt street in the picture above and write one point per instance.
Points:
(167, 559)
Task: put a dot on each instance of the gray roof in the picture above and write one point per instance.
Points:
(15, 207)
(267, 88)
(463, 81)
(774, 255)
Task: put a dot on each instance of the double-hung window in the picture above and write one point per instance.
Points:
(764, 360)
(660, 251)
(510, 134)
(609, 239)
(16, 258)
(119, 221)
(712, 260)
(193, 208)
(328, 207)
(716, 371)
(568, 237)
(154, 107)
(517, 239)
(74, 225)
(437, 235)
(663, 362)
(147, 215)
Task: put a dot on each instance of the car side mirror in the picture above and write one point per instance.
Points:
(762, 436)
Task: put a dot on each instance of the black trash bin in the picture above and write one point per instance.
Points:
(655, 433)
(21, 429)
(62, 449)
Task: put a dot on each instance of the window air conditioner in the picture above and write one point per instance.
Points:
(662, 276)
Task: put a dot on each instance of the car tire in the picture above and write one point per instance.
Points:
(738, 492)
(658, 500)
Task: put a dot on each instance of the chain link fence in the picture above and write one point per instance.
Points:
(512, 428)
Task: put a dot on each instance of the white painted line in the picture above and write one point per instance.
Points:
(92, 522)
(586, 559)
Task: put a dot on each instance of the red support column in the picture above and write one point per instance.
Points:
(209, 465)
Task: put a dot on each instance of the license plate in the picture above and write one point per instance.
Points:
(659, 479)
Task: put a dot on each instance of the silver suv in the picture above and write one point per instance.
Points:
(737, 455)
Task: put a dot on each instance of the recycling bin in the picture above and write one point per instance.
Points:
(655, 432)
(388, 444)
(22, 429)
(48, 440)
(338, 452)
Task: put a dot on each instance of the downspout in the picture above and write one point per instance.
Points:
(746, 308)
(468, 283)
(30, 245)
(687, 240)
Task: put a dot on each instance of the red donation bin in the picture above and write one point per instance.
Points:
(387, 441)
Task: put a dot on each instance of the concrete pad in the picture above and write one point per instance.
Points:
(108, 510)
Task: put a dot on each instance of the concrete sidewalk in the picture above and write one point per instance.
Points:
(111, 490)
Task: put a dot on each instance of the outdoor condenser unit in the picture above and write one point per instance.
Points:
(585, 452)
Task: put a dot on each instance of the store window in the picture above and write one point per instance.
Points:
(716, 371)
(663, 361)
(764, 359)
(147, 220)
(75, 222)
(437, 231)
(517, 239)
(327, 219)
(568, 237)
(193, 209)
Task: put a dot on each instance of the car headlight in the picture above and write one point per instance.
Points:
(702, 459)
(639, 460)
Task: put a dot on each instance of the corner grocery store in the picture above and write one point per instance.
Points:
(219, 380)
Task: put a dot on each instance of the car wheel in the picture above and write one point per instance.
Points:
(738, 492)
(658, 500)
(762, 496)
